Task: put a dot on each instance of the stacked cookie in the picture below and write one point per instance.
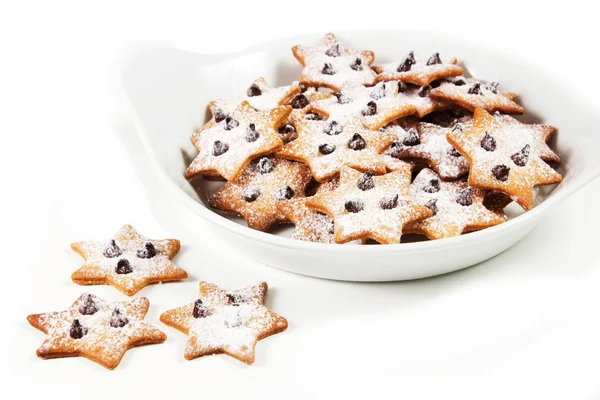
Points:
(409, 146)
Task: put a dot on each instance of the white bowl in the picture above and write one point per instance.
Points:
(168, 90)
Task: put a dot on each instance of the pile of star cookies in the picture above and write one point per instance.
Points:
(217, 321)
(355, 151)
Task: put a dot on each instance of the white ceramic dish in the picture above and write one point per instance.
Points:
(168, 90)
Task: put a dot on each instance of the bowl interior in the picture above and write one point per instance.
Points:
(169, 90)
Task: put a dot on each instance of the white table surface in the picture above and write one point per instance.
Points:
(524, 325)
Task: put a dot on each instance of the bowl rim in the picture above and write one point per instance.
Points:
(567, 187)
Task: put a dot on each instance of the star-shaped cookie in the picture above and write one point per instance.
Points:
(328, 145)
(99, 330)
(228, 146)
(225, 322)
(420, 71)
(367, 206)
(128, 261)
(470, 93)
(505, 156)
(428, 143)
(263, 184)
(259, 95)
(333, 65)
(374, 106)
(456, 207)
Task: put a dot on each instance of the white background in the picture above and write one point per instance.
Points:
(524, 325)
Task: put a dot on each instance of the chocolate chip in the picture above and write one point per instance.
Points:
(500, 172)
(77, 331)
(265, 166)
(287, 133)
(433, 186)
(250, 194)
(219, 148)
(333, 128)
(492, 87)
(253, 90)
(300, 101)
(453, 152)
(411, 138)
(388, 203)
(219, 114)
(327, 69)
(326, 148)
(287, 129)
(303, 87)
(378, 92)
(354, 206)
(331, 228)
(341, 99)
(396, 150)
(118, 320)
(424, 91)
(371, 109)
(333, 51)
(230, 124)
(432, 205)
(199, 310)
(112, 250)
(234, 299)
(88, 307)
(123, 267)
(357, 65)
(407, 63)
(251, 134)
(465, 198)
(460, 81)
(313, 117)
(284, 193)
(434, 59)
(520, 158)
(146, 251)
(357, 142)
(366, 181)
(488, 143)
(402, 87)
(475, 89)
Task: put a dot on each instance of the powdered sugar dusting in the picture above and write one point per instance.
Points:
(101, 342)
(143, 270)
(268, 98)
(229, 322)
(310, 225)
(338, 64)
(262, 212)
(508, 140)
(354, 103)
(419, 73)
(312, 134)
(451, 218)
(433, 148)
(369, 218)
(239, 149)
(486, 95)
